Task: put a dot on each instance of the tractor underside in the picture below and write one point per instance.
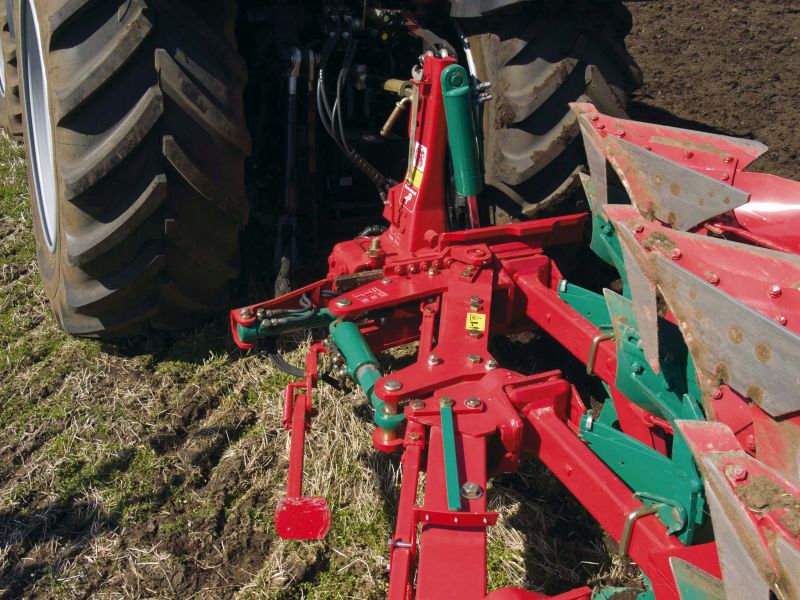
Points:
(690, 459)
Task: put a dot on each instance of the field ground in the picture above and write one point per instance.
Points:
(151, 469)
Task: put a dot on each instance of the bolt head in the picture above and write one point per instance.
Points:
(434, 360)
(491, 364)
(736, 473)
(471, 490)
(639, 228)
(750, 442)
(417, 404)
(392, 385)
(475, 334)
(245, 313)
(476, 300)
(413, 436)
(728, 158)
(637, 368)
(474, 359)
(386, 280)
(343, 302)
(716, 394)
(432, 272)
(775, 291)
(413, 269)
(472, 402)
(712, 278)
(781, 320)
(688, 154)
(676, 254)
(445, 401)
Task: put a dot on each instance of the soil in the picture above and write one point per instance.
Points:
(723, 66)
(211, 430)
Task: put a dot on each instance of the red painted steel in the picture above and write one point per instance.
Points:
(451, 290)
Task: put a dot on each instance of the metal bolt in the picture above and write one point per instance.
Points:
(775, 291)
(491, 364)
(688, 154)
(601, 126)
(475, 334)
(471, 491)
(445, 401)
(716, 394)
(417, 404)
(750, 442)
(736, 473)
(413, 436)
(342, 302)
(676, 254)
(595, 117)
(781, 320)
(392, 385)
(476, 300)
(472, 402)
(386, 280)
(725, 177)
(432, 271)
(413, 269)
(637, 368)
(639, 228)
(434, 360)
(261, 314)
(474, 359)
(245, 313)
(728, 158)
(475, 307)
(712, 278)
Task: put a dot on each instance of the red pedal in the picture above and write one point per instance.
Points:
(304, 518)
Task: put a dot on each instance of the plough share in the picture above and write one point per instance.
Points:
(692, 462)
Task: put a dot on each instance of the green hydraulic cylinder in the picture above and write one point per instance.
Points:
(461, 131)
(362, 365)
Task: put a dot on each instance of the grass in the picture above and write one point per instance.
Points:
(152, 468)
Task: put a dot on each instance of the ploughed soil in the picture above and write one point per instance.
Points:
(725, 66)
(152, 469)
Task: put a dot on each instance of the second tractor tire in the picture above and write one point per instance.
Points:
(540, 56)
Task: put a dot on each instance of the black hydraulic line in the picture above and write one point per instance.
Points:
(281, 364)
(371, 230)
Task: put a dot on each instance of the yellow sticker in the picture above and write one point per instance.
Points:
(416, 178)
(476, 322)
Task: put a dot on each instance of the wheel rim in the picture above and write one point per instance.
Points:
(38, 129)
(2, 69)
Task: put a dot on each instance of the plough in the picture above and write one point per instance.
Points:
(691, 463)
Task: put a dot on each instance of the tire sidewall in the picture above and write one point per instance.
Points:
(48, 261)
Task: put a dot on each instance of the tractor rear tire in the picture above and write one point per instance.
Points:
(540, 57)
(136, 141)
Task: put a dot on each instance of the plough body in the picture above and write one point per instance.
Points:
(697, 355)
